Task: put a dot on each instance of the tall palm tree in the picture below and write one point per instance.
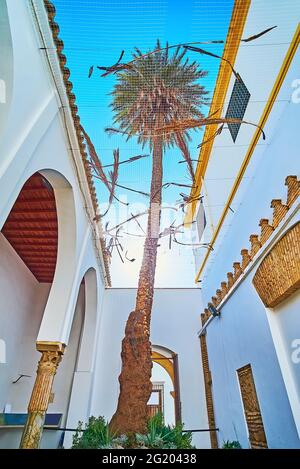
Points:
(155, 91)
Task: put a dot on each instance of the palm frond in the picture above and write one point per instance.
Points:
(181, 142)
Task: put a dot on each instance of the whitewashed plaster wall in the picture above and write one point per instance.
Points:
(239, 337)
(268, 169)
(243, 333)
(285, 329)
(34, 139)
(259, 63)
(247, 333)
(175, 321)
(22, 301)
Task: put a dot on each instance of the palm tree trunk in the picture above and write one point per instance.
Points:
(135, 383)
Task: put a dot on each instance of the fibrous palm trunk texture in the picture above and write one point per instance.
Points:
(135, 377)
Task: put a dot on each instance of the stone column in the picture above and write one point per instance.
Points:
(51, 356)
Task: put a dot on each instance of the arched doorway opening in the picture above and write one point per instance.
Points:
(75, 376)
(165, 379)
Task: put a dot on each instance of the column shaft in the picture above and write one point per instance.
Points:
(51, 356)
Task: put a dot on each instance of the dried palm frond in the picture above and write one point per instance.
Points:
(114, 174)
(177, 184)
(114, 68)
(171, 229)
(119, 225)
(217, 132)
(134, 234)
(119, 248)
(137, 215)
(140, 56)
(126, 257)
(181, 142)
(95, 160)
(195, 123)
(256, 36)
(117, 67)
(133, 190)
(113, 130)
(199, 245)
(187, 124)
(211, 54)
(130, 160)
(99, 173)
(188, 199)
(138, 223)
(168, 184)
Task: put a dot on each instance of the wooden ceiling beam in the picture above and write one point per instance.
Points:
(33, 256)
(31, 210)
(51, 260)
(35, 248)
(30, 201)
(43, 271)
(31, 189)
(26, 229)
(22, 221)
(20, 237)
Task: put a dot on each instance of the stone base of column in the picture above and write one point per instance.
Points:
(51, 356)
(32, 433)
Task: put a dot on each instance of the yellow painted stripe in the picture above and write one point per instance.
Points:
(272, 98)
(235, 31)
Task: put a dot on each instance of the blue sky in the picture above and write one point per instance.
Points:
(96, 31)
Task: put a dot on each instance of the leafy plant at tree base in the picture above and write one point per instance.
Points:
(164, 436)
(231, 445)
(97, 435)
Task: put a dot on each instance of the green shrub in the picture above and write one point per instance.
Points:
(96, 435)
(231, 445)
(164, 436)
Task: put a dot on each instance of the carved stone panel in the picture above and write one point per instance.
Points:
(253, 416)
(278, 276)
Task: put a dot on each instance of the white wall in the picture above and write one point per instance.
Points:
(175, 321)
(246, 332)
(22, 302)
(285, 329)
(287, 314)
(239, 337)
(243, 335)
(258, 63)
(35, 139)
(23, 358)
